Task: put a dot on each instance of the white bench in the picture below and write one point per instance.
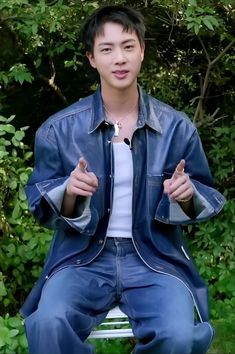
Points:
(115, 317)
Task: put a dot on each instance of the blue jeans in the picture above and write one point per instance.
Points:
(75, 299)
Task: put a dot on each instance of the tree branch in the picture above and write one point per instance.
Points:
(51, 82)
(211, 63)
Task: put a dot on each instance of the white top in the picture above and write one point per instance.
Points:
(120, 221)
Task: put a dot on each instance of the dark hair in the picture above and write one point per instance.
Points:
(130, 19)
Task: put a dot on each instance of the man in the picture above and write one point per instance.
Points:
(115, 175)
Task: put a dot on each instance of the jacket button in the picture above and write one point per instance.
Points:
(101, 241)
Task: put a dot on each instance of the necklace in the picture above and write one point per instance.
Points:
(118, 123)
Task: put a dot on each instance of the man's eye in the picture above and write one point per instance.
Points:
(105, 50)
(129, 47)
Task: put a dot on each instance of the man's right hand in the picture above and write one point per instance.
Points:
(81, 182)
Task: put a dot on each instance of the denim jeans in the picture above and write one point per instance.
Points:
(75, 299)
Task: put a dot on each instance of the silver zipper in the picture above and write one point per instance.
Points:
(185, 253)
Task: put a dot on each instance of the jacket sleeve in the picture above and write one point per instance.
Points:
(46, 186)
(207, 200)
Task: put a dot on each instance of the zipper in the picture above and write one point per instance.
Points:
(111, 176)
(185, 253)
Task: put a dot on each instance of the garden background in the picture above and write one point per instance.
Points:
(189, 64)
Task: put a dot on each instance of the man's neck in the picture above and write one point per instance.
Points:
(120, 102)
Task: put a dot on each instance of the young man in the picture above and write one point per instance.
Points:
(115, 175)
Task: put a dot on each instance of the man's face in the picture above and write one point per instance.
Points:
(117, 56)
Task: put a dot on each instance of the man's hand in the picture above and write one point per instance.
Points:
(179, 186)
(81, 182)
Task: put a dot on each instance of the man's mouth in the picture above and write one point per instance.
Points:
(120, 74)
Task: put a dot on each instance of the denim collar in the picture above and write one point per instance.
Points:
(148, 112)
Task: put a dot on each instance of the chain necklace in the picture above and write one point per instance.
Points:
(118, 123)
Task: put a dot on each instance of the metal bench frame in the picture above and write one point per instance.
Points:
(116, 318)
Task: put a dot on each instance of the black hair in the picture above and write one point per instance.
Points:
(130, 19)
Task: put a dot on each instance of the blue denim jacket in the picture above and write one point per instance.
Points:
(162, 138)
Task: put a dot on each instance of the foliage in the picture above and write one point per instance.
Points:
(23, 243)
(113, 346)
(189, 64)
(12, 336)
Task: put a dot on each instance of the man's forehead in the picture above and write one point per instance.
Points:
(108, 28)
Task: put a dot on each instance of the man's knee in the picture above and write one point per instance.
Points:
(177, 340)
(171, 340)
(58, 319)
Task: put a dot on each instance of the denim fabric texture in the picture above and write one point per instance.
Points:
(75, 299)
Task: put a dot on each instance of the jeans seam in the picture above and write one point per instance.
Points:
(212, 335)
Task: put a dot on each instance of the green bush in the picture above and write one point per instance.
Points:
(12, 336)
(23, 242)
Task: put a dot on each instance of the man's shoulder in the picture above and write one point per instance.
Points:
(167, 110)
(168, 115)
(82, 105)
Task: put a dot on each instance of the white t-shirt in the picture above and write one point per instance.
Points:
(120, 221)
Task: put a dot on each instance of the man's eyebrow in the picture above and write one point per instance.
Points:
(111, 43)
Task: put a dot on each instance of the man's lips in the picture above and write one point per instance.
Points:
(120, 74)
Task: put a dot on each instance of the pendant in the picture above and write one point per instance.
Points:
(117, 127)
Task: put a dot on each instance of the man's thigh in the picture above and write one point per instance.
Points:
(86, 288)
(157, 297)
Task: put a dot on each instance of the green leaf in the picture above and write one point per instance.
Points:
(10, 119)
(13, 184)
(13, 333)
(214, 21)
(15, 142)
(196, 28)
(20, 73)
(3, 154)
(190, 25)
(4, 78)
(208, 24)
(193, 3)
(14, 322)
(17, 210)
(3, 291)
(19, 135)
(3, 119)
(22, 195)
(34, 28)
(7, 128)
(23, 341)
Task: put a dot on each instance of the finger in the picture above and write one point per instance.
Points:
(182, 192)
(89, 178)
(179, 169)
(82, 164)
(166, 185)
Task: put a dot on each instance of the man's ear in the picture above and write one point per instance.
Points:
(142, 51)
(91, 59)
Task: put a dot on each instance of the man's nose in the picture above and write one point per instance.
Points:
(120, 57)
